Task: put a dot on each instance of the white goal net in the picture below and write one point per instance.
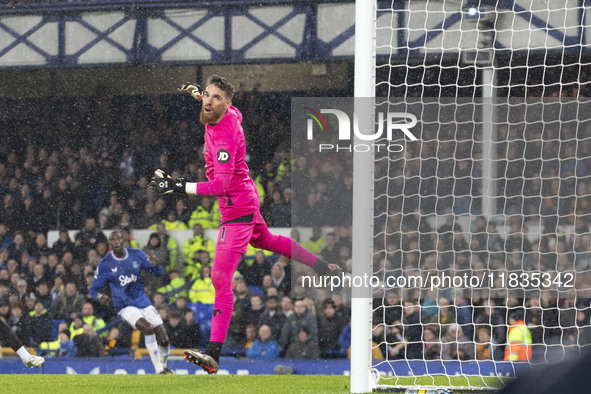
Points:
(481, 225)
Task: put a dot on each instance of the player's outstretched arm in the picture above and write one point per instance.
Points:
(150, 263)
(99, 280)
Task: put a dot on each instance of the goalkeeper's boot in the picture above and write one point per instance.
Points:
(204, 360)
(34, 361)
(323, 268)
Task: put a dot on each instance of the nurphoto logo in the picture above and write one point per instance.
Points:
(395, 125)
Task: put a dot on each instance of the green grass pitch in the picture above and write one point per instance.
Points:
(88, 384)
(181, 384)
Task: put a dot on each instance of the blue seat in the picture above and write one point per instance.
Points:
(54, 332)
(203, 314)
(256, 290)
(202, 311)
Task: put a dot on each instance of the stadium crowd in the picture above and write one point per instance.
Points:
(84, 163)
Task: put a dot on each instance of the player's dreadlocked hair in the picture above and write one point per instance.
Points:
(222, 84)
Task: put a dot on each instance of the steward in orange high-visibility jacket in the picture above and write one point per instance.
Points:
(518, 340)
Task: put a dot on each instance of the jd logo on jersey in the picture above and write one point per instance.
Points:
(223, 156)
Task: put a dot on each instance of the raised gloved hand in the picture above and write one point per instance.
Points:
(162, 183)
(194, 89)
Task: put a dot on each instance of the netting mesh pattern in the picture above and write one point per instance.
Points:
(482, 225)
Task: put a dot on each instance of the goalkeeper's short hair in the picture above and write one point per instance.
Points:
(222, 84)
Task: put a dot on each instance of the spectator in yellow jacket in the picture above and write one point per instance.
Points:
(172, 222)
(202, 289)
(316, 242)
(198, 242)
(207, 214)
(87, 317)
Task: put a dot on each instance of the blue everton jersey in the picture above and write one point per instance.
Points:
(124, 277)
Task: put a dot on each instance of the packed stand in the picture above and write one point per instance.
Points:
(53, 180)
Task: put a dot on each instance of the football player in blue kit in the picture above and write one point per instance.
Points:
(121, 269)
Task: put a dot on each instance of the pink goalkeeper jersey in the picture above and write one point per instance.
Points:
(226, 170)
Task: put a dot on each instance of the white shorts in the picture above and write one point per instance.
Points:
(132, 314)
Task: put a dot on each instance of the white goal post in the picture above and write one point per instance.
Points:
(361, 378)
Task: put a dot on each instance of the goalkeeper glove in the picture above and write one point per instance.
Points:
(162, 183)
(194, 89)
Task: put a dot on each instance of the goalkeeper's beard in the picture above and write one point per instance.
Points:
(210, 118)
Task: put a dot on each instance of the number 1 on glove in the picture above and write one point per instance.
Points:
(163, 183)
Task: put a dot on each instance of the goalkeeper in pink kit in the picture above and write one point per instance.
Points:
(241, 222)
